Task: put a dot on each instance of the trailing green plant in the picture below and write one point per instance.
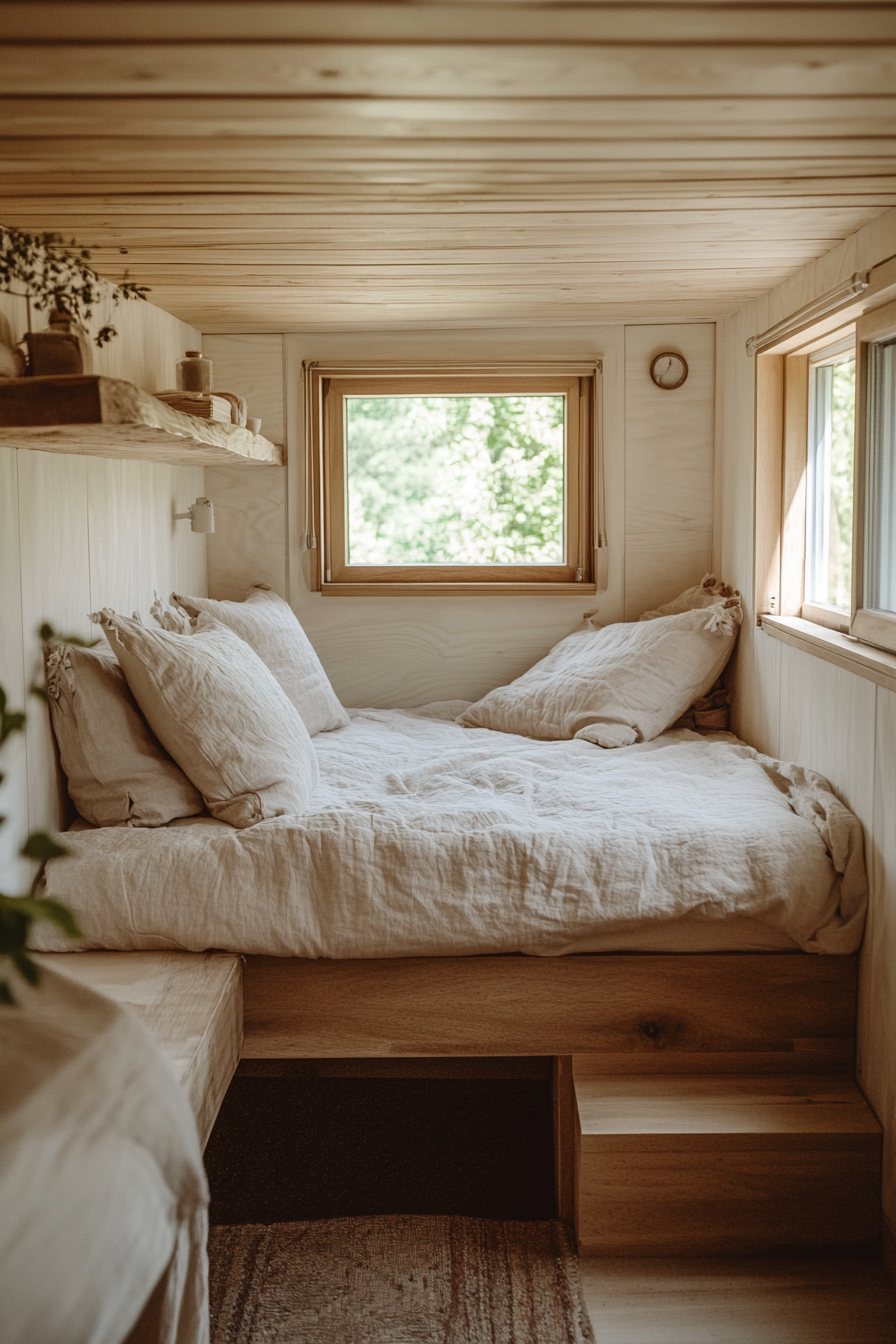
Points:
(51, 273)
(18, 913)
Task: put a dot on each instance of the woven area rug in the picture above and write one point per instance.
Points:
(396, 1280)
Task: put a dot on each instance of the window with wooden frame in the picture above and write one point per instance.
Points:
(454, 480)
(825, 499)
(874, 586)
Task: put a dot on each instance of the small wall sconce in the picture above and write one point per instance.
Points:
(201, 515)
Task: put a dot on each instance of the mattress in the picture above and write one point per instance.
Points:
(428, 839)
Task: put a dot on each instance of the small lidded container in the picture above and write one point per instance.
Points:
(194, 374)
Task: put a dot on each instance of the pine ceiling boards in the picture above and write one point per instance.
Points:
(288, 166)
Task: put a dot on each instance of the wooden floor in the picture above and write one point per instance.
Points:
(799, 1300)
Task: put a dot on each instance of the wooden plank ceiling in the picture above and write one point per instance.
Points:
(287, 166)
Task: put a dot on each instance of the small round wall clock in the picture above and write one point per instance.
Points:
(669, 370)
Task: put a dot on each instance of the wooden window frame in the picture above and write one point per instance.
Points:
(326, 389)
(869, 625)
(782, 443)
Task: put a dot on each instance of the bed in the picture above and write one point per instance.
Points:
(428, 839)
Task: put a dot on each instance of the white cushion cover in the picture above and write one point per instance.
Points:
(117, 772)
(616, 685)
(269, 625)
(217, 709)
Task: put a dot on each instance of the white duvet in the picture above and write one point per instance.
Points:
(428, 839)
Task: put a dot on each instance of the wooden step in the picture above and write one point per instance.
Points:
(682, 1164)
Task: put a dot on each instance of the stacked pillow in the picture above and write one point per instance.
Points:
(203, 713)
(269, 626)
(620, 684)
(221, 715)
(118, 774)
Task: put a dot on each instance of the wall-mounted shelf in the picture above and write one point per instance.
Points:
(108, 417)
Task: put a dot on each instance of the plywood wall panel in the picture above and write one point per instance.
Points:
(669, 443)
(249, 542)
(254, 369)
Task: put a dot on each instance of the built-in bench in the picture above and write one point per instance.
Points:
(191, 1003)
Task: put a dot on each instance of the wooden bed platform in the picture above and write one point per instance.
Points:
(737, 1012)
(703, 1103)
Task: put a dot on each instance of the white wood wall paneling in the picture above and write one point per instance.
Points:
(668, 466)
(55, 560)
(827, 724)
(77, 533)
(13, 765)
(188, 551)
(136, 547)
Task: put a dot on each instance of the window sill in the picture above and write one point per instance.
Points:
(456, 589)
(872, 664)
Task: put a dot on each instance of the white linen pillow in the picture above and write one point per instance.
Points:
(616, 685)
(217, 709)
(118, 774)
(269, 625)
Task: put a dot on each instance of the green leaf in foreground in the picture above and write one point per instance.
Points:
(42, 847)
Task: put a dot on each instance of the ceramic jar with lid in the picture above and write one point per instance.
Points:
(194, 374)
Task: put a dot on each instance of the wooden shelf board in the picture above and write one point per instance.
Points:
(109, 417)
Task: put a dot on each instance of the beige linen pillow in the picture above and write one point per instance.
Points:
(616, 685)
(118, 774)
(269, 625)
(218, 710)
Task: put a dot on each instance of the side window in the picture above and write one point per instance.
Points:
(874, 608)
(829, 476)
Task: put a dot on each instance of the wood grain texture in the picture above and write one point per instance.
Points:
(566, 1138)
(668, 466)
(803, 1299)
(691, 1106)
(110, 417)
(380, 115)
(629, 1007)
(700, 1166)
(191, 1005)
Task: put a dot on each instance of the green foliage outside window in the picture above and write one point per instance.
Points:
(454, 480)
(843, 404)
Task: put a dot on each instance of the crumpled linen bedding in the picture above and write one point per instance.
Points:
(424, 838)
